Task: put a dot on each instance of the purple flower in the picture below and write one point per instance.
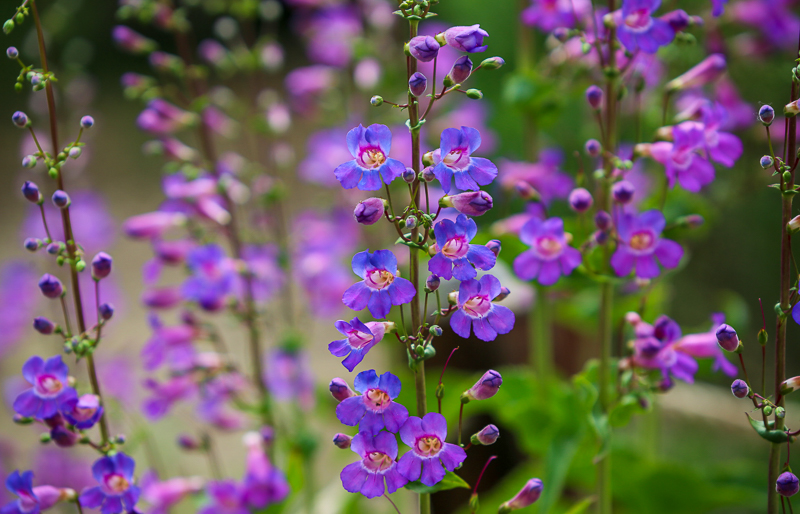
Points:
(18, 301)
(430, 455)
(455, 256)
(640, 243)
(486, 387)
(545, 175)
(471, 203)
(264, 484)
(461, 70)
(487, 435)
(161, 117)
(31, 500)
(324, 151)
(787, 484)
(423, 48)
(722, 147)
(739, 388)
(370, 146)
(639, 30)
(267, 277)
(704, 72)
(163, 396)
(453, 159)
(212, 279)
(359, 339)
(476, 310)
(705, 346)
(717, 7)
(547, 15)
(550, 255)
(50, 390)
(50, 286)
(525, 497)
(340, 390)
(116, 492)
(466, 39)
(289, 378)
(83, 411)
(226, 497)
(654, 348)
(375, 408)
(131, 41)
(342, 441)
(369, 211)
(163, 495)
(152, 224)
(417, 84)
(580, 199)
(331, 32)
(101, 265)
(378, 453)
(381, 287)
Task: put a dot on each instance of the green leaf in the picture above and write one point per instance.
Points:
(623, 411)
(773, 436)
(450, 481)
(582, 506)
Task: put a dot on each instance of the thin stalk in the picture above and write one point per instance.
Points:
(72, 249)
(460, 422)
(541, 335)
(66, 315)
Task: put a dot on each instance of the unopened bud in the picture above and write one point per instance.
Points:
(432, 283)
(474, 94)
(342, 441)
(409, 175)
(593, 147)
(766, 162)
(376, 101)
(766, 114)
(739, 388)
(495, 246)
(488, 435)
(580, 200)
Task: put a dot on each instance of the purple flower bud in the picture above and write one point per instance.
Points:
(727, 338)
(492, 63)
(602, 220)
(488, 435)
(594, 97)
(495, 246)
(593, 147)
(87, 122)
(409, 175)
(29, 161)
(527, 496)
(340, 390)
(677, 19)
(417, 84)
(188, 442)
(428, 175)
(162, 297)
(600, 237)
(526, 191)
(43, 325)
(787, 484)
(485, 388)
(466, 39)
(580, 200)
(623, 191)
(31, 192)
(423, 48)
(739, 388)
(766, 115)
(12, 52)
(504, 292)
(436, 330)
(61, 199)
(63, 437)
(20, 119)
(369, 211)
(694, 220)
(342, 441)
(561, 34)
(101, 265)
(131, 41)
(432, 283)
(461, 70)
(766, 162)
(411, 222)
(32, 244)
(50, 286)
(701, 74)
(471, 203)
(75, 152)
(53, 248)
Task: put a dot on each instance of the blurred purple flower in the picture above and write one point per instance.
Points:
(640, 244)
(213, 277)
(550, 256)
(324, 152)
(545, 175)
(289, 378)
(264, 484)
(637, 29)
(92, 224)
(681, 161)
(331, 33)
(18, 302)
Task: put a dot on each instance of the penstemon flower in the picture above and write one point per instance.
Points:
(639, 30)
(374, 408)
(116, 492)
(455, 256)
(49, 390)
(378, 464)
(550, 255)
(641, 247)
(453, 160)
(381, 286)
(359, 340)
(430, 455)
(477, 312)
(370, 146)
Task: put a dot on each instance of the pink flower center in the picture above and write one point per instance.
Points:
(372, 158)
(84, 413)
(48, 385)
(642, 241)
(358, 339)
(428, 446)
(455, 248)
(377, 461)
(682, 158)
(379, 279)
(639, 20)
(377, 399)
(116, 484)
(457, 158)
(477, 306)
(549, 247)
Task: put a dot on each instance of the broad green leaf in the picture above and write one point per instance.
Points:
(450, 481)
(773, 436)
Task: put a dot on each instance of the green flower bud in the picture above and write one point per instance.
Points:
(8, 26)
(475, 94)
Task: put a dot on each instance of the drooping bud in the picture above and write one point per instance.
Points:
(20, 119)
(485, 388)
(187, 442)
(460, 71)
(466, 38)
(580, 200)
(787, 484)
(417, 84)
(432, 283)
(495, 246)
(706, 71)
(75, 152)
(436, 330)
(593, 147)
(527, 496)
(31, 193)
(594, 97)
(739, 388)
(727, 338)
(471, 203)
(766, 115)
(602, 220)
(106, 311)
(101, 265)
(423, 48)
(369, 211)
(50, 286)
(340, 390)
(61, 199)
(43, 325)
(623, 191)
(492, 63)
(409, 176)
(474, 94)
(766, 162)
(488, 435)
(677, 19)
(504, 292)
(342, 441)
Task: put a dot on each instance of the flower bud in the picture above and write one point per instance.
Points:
(471, 203)
(106, 311)
(427, 175)
(492, 63)
(485, 388)
(526, 191)
(602, 220)
(787, 484)
(20, 119)
(29, 161)
(50, 286)
(8, 26)
(423, 48)
(436, 330)
(527, 496)
(495, 246)
(12, 52)
(780, 412)
(61, 199)
(504, 292)
(623, 191)
(474, 94)
(53, 248)
(580, 200)
(43, 325)
(703, 73)
(766, 162)
(32, 244)
(677, 19)
(376, 101)
(131, 41)
(411, 222)
(739, 388)
(101, 265)
(417, 84)
(594, 97)
(369, 211)
(488, 435)
(75, 152)
(427, 160)
(342, 441)
(31, 192)
(432, 283)
(790, 385)
(340, 390)
(766, 114)
(466, 38)
(593, 147)
(727, 338)
(63, 437)
(409, 175)
(794, 224)
(461, 70)
(87, 122)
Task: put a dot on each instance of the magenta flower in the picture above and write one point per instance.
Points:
(163, 396)
(116, 492)
(466, 39)
(324, 152)
(49, 389)
(375, 408)
(423, 48)
(476, 310)
(639, 30)
(152, 224)
(213, 277)
(547, 15)
(378, 453)
(267, 275)
(370, 146)
(545, 175)
(430, 455)
(471, 203)
(163, 495)
(226, 497)
(264, 484)
(18, 303)
(453, 160)
(359, 339)
(705, 346)
(83, 411)
(528, 495)
(640, 243)
(550, 255)
(654, 348)
(455, 256)
(161, 117)
(381, 287)
(31, 499)
(722, 147)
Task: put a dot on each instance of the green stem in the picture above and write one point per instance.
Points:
(541, 335)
